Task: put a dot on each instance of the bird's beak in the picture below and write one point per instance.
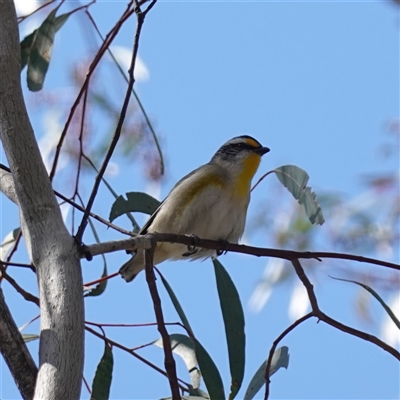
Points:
(261, 150)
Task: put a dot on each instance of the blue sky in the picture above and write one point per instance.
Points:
(318, 83)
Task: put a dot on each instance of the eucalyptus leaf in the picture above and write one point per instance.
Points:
(36, 49)
(376, 295)
(103, 376)
(29, 337)
(279, 359)
(232, 312)
(295, 180)
(135, 202)
(176, 304)
(209, 371)
(8, 242)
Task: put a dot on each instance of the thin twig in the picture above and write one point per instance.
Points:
(134, 354)
(109, 38)
(146, 117)
(26, 295)
(275, 344)
(20, 265)
(20, 19)
(82, 209)
(330, 321)
(117, 133)
(169, 360)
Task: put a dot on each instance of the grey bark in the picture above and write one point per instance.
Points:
(15, 352)
(51, 248)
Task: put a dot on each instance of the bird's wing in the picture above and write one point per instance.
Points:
(146, 226)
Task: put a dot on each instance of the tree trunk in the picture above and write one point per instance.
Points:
(51, 248)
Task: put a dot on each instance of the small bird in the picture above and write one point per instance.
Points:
(210, 203)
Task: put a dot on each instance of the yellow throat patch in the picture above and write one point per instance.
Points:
(250, 166)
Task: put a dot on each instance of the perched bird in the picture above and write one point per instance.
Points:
(210, 202)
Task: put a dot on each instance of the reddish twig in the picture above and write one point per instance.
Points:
(86, 384)
(82, 209)
(140, 20)
(107, 42)
(20, 19)
(26, 295)
(275, 344)
(169, 360)
(330, 321)
(104, 278)
(134, 354)
(108, 247)
(20, 265)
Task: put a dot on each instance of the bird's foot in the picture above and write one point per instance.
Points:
(192, 248)
(224, 245)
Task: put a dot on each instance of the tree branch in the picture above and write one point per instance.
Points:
(140, 241)
(50, 247)
(117, 133)
(330, 321)
(169, 361)
(275, 344)
(15, 352)
(26, 295)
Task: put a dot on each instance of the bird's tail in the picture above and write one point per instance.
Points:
(132, 267)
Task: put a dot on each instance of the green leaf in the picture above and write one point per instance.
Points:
(209, 370)
(210, 373)
(279, 359)
(136, 202)
(176, 304)
(8, 242)
(183, 346)
(26, 46)
(36, 50)
(232, 312)
(376, 295)
(295, 180)
(29, 337)
(101, 287)
(103, 377)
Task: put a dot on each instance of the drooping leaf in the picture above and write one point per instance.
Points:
(26, 46)
(295, 180)
(135, 202)
(279, 359)
(103, 377)
(184, 347)
(209, 371)
(198, 393)
(36, 51)
(29, 337)
(232, 312)
(101, 287)
(376, 295)
(8, 242)
(176, 304)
